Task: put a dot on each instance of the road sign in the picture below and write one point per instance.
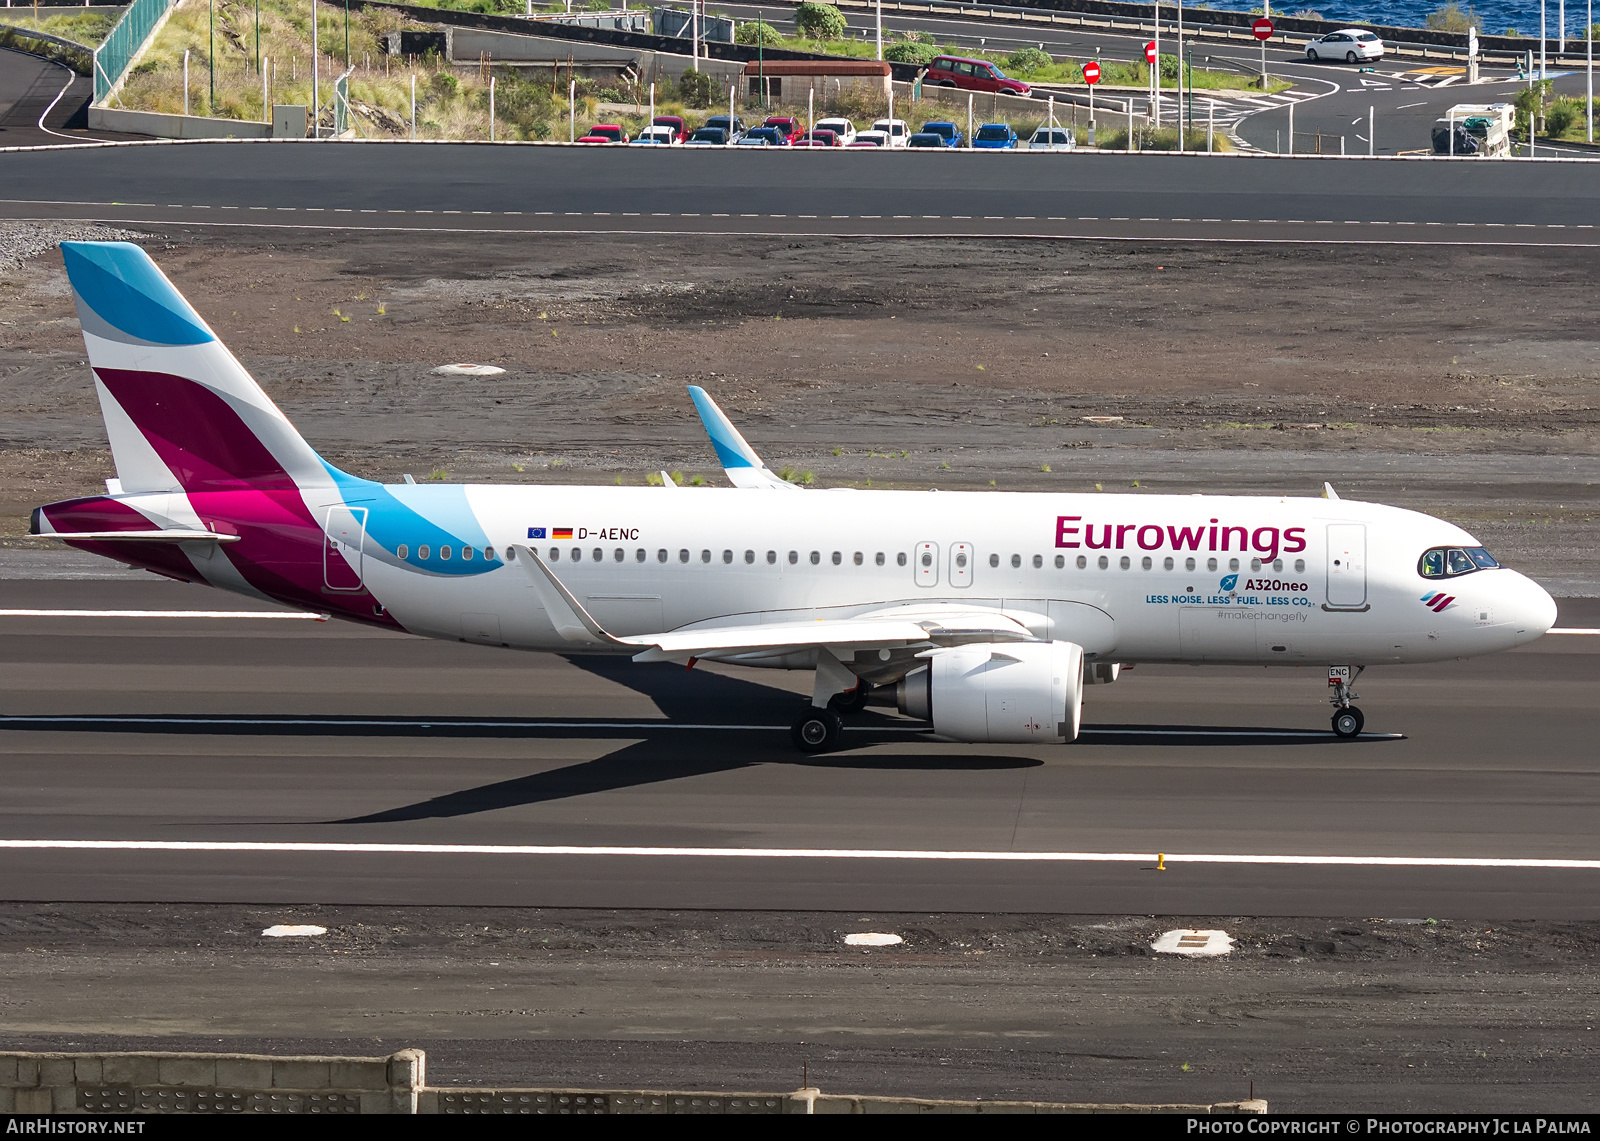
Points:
(1091, 73)
(1150, 52)
(1262, 29)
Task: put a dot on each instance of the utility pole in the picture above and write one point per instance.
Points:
(211, 56)
(1155, 68)
(694, 10)
(1180, 75)
(258, 37)
(347, 35)
(761, 65)
(316, 76)
(880, 30)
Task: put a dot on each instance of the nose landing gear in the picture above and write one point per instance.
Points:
(1348, 721)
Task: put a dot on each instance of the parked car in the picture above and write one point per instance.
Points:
(791, 127)
(926, 140)
(680, 129)
(605, 133)
(1353, 45)
(1053, 139)
(895, 129)
(656, 136)
(819, 138)
(844, 128)
(729, 123)
(994, 137)
(949, 132)
(708, 137)
(762, 137)
(972, 75)
(871, 139)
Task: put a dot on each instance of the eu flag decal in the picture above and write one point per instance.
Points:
(535, 532)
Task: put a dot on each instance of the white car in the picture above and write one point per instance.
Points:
(1349, 44)
(870, 138)
(1053, 139)
(655, 137)
(896, 131)
(844, 128)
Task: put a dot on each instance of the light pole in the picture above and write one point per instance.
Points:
(258, 36)
(1588, 40)
(1180, 75)
(316, 77)
(1188, 69)
(1155, 68)
(694, 9)
(880, 30)
(347, 35)
(761, 64)
(211, 56)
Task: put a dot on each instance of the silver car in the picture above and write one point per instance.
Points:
(1052, 139)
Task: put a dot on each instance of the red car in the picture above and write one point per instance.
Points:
(793, 129)
(605, 133)
(819, 139)
(680, 129)
(972, 75)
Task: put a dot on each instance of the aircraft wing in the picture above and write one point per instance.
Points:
(739, 460)
(891, 628)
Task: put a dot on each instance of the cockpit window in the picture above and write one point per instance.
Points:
(1448, 562)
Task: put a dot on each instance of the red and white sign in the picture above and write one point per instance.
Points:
(1150, 52)
(1262, 29)
(1091, 73)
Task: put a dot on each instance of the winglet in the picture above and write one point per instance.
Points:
(567, 614)
(1328, 492)
(739, 460)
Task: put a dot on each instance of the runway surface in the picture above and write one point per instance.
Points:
(543, 188)
(485, 777)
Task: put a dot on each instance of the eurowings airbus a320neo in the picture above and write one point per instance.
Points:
(988, 611)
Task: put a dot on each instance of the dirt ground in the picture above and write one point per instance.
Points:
(1458, 380)
(1385, 1015)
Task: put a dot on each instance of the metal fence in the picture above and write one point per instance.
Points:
(113, 56)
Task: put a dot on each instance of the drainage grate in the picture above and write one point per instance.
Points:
(156, 1099)
(538, 1102)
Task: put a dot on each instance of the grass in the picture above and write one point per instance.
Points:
(88, 30)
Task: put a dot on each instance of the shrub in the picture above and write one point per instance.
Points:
(695, 88)
(908, 52)
(1026, 60)
(1562, 114)
(1169, 67)
(1449, 17)
(1306, 14)
(819, 21)
(755, 32)
(444, 84)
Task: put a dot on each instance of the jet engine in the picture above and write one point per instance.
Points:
(999, 692)
(1100, 673)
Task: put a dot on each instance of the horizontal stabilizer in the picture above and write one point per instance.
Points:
(167, 535)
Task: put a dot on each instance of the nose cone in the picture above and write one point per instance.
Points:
(1530, 608)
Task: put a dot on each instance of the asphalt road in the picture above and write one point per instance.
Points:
(43, 103)
(536, 188)
(273, 732)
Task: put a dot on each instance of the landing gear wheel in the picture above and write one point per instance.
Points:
(852, 700)
(1348, 723)
(816, 730)
(1349, 57)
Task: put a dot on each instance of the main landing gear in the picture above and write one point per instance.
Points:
(817, 728)
(1348, 721)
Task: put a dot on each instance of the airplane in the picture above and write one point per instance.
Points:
(987, 611)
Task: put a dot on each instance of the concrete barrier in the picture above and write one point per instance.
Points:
(153, 1082)
(166, 126)
(123, 1083)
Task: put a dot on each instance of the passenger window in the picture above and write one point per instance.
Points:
(661, 555)
(1083, 561)
(794, 557)
(705, 556)
(1038, 561)
(927, 559)
(900, 559)
(1104, 562)
(994, 560)
(555, 554)
(1188, 564)
(1166, 564)
(1277, 565)
(444, 553)
(772, 558)
(598, 555)
(1061, 561)
(1255, 565)
(488, 554)
(880, 558)
(1125, 562)
(683, 554)
(1016, 560)
(837, 558)
(816, 558)
(860, 558)
(1145, 563)
(1233, 564)
(1299, 566)
(466, 554)
(727, 556)
(401, 551)
(1211, 564)
(638, 556)
(577, 554)
(749, 556)
(961, 559)
(422, 552)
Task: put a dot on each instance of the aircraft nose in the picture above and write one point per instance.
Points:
(1531, 609)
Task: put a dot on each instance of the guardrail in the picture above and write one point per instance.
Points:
(124, 42)
(149, 1082)
(79, 57)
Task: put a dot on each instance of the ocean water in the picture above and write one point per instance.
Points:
(1497, 15)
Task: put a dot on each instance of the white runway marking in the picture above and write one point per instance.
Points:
(1571, 630)
(162, 614)
(788, 853)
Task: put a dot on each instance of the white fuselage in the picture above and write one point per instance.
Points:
(1131, 578)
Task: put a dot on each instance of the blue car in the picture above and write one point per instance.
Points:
(994, 137)
(949, 132)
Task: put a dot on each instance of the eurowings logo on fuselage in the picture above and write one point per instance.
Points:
(1438, 601)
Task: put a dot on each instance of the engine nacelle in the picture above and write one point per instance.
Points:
(999, 692)
(1100, 673)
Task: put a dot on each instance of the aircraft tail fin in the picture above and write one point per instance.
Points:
(739, 460)
(181, 412)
